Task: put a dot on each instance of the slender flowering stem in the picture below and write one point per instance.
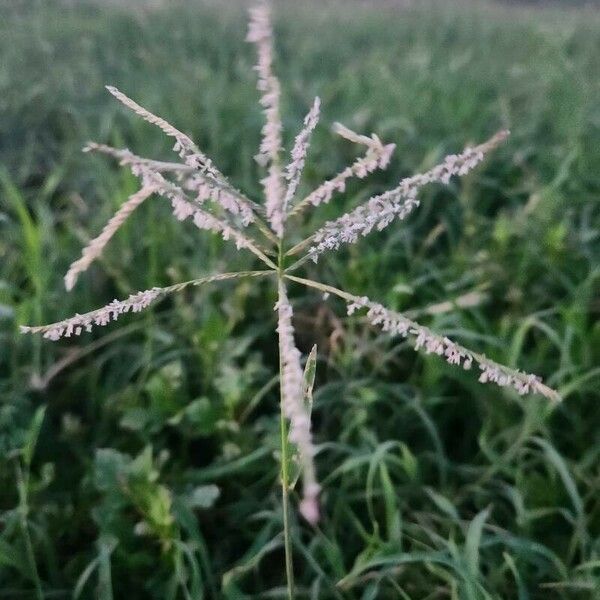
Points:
(260, 32)
(398, 324)
(294, 170)
(292, 384)
(380, 211)
(94, 249)
(377, 156)
(219, 188)
(137, 302)
(183, 208)
(284, 471)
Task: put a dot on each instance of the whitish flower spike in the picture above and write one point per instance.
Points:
(204, 187)
(377, 156)
(184, 208)
(397, 324)
(94, 249)
(378, 212)
(260, 33)
(184, 146)
(79, 323)
(292, 397)
(202, 176)
(293, 171)
(137, 302)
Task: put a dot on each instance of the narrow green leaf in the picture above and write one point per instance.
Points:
(84, 578)
(473, 541)
(33, 434)
(561, 467)
(392, 512)
(310, 370)
(10, 557)
(443, 504)
(521, 589)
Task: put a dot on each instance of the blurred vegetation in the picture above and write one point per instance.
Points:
(141, 461)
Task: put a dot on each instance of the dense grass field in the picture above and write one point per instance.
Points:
(141, 461)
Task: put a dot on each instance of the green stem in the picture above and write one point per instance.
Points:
(22, 485)
(289, 565)
(287, 534)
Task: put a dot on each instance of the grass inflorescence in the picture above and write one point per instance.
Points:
(156, 467)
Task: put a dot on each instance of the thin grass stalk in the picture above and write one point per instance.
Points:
(79, 323)
(22, 485)
(284, 473)
(524, 383)
(285, 493)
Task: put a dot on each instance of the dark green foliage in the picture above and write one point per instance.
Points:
(153, 471)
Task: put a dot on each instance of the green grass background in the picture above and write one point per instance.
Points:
(155, 471)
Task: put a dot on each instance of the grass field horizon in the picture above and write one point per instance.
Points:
(141, 460)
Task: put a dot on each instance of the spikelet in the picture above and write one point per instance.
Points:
(380, 211)
(397, 324)
(260, 33)
(294, 170)
(206, 186)
(79, 323)
(94, 249)
(137, 302)
(292, 394)
(205, 190)
(128, 158)
(183, 209)
(184, 146)
(377, 156)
